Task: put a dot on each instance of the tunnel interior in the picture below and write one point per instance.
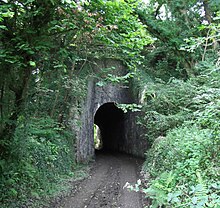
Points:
(110, 120)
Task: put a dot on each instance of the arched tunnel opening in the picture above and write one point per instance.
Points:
(110, 131)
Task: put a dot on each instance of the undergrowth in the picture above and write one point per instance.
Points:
(41, 156)
(182, 121)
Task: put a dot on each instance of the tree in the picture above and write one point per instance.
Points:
(172, 22)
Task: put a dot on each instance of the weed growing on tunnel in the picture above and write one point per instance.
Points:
(129, 107)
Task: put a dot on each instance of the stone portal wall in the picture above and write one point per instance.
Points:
(96, 97)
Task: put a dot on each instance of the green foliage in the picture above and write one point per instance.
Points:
(129, 107)
(41, 153)
(187, 150)
(115, 79)
(172, 22)
(183, 160)
(120, 30)
(208, 41)
(165, 105)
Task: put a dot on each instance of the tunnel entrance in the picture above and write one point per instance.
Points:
(118, 130)
(110, 121)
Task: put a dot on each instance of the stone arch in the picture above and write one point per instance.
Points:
(98, 96)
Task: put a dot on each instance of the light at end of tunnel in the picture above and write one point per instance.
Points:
(97, 138)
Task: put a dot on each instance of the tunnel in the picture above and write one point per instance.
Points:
(119, 131)
(110, 120)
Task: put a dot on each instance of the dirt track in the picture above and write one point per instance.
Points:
(104, 187)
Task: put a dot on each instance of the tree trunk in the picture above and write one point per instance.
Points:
(19, 104)
(208, 15)
(1, 103)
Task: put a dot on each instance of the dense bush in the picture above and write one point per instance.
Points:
(40, 153)
(184, 168)
(182, 120)
(165, 107)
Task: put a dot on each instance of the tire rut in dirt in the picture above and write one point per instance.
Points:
(86, 190)
(107, 194)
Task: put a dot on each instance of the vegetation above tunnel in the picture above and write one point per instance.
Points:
(172, 51)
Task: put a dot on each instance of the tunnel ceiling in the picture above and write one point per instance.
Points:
(108, 113)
